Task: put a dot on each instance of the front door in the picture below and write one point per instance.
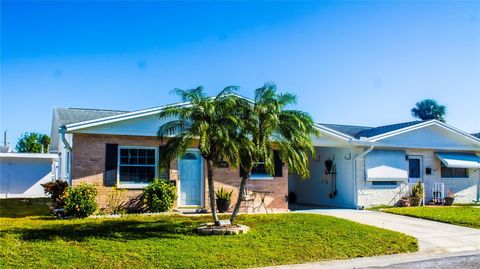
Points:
(190, 173)
(414, 169)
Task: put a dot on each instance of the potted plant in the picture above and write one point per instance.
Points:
(224, 198)
(417, 194)
(449, 199)
(403, 202)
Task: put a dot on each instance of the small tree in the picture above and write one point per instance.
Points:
(206, 123)
(429, 109)
(33, 142)
(269, 125)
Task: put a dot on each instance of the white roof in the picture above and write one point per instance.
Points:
(459, 160)
(29, 155)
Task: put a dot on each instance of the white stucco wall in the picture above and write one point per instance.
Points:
(315, 190)
(21, 177)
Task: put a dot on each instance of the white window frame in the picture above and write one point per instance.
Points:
(135, 185)
(260, 176)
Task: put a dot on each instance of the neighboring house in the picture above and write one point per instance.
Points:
(22, 173)
(378, 165)
(5, 149)
(371, 166)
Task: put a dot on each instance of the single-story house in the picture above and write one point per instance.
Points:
(355, 166)
(21, 174)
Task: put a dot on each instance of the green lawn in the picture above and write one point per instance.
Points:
(24, 207)
(169, 241)
(461, 215)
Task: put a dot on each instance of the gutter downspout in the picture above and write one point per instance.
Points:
(63, 130)
(363, 153)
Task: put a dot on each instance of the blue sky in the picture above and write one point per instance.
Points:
(363, 63)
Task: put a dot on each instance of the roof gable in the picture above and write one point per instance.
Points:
(432, 135)
(64, 116)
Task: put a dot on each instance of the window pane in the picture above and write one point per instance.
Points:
(149, 173)
(384, 183)
(189, 156)
(123, 160)
(460, 172)
(259, 169)
(447, 172)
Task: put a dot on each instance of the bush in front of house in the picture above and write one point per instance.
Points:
(115, 203)
(160, 195)
(80, 201)
(56, 189)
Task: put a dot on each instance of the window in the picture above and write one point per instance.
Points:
(384, 183)
(260, 172)
(448, 172)
(137, 165)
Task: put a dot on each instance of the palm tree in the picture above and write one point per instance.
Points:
(269, 125)
(429, 109)
(207, 122)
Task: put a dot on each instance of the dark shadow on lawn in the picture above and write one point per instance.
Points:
(115, 230)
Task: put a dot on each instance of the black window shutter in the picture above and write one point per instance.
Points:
(277, 163)
(166, 166)
(111, 163)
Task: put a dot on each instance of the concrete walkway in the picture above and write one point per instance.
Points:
(406, 260)
(432, 236)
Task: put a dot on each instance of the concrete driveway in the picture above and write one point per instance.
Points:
(432, 236)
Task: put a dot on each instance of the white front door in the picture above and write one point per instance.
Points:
(191, 179)
(415, 168)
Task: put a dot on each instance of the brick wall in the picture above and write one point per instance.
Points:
(89, 164)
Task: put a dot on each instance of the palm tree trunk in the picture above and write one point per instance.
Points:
(211, 191)
(241, 194)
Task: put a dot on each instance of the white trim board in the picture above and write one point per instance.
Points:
(29, 155)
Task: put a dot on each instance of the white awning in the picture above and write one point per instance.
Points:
(386, 165)
(459, 160)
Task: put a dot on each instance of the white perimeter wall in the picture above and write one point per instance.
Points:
(21, 177)
(315, 190)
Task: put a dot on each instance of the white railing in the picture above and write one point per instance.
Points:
(406, 191)
(438, 193)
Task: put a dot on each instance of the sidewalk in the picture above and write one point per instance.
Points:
(378, 261)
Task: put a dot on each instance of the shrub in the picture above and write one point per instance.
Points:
(116, 201)
(223, 194)
(56, 189)
(80, 202)
(417, 190)
(160, 195)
